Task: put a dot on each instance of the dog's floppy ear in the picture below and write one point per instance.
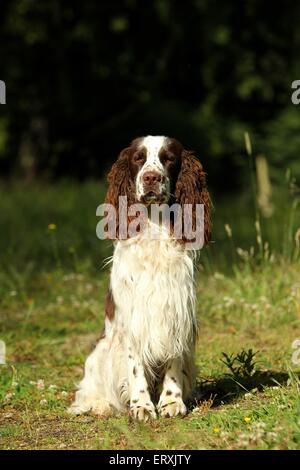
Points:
(119, 184)
(191, 189)
(118, 179)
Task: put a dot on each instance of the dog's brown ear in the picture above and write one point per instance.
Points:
(191, 189)
(119, 184)
(118, 179)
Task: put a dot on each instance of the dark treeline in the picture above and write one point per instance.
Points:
(84, 78)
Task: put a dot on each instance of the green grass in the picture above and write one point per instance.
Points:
(52, 312)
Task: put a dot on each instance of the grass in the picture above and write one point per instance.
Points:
(52, 289)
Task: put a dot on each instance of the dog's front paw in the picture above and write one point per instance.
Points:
(142, 410)
(171, 405)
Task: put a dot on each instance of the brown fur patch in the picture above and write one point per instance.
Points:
(191, 188)
(109, 306)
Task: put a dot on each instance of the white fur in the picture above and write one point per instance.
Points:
(157, 299)
(154, 326)
(153, 145)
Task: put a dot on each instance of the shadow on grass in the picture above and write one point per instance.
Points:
(228, 388)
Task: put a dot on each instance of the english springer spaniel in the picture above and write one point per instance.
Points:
(145, 355)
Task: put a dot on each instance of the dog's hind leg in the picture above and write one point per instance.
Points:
(92, 391)
(104, 388)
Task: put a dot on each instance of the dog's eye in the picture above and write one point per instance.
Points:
(168, 157)
(138, 157)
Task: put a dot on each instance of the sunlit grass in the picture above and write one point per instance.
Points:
(52, 292)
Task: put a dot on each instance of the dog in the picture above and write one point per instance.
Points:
(144, 360)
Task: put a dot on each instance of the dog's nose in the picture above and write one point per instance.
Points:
(152, 177)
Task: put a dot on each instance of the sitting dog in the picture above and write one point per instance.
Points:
(145, 355)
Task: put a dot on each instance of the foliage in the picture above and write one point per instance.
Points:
(84, 78)
(241, 365)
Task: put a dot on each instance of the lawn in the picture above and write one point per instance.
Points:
(52, 286)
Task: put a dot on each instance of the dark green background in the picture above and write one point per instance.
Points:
(84, 78)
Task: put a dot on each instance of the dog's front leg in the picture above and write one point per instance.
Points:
(171, 401)
(141, 406)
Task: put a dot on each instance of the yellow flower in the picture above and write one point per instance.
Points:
(216, 430)
(52, 227)
(247, 420)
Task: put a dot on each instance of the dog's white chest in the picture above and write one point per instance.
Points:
(152, 286)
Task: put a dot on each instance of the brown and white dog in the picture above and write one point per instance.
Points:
(146, 353)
